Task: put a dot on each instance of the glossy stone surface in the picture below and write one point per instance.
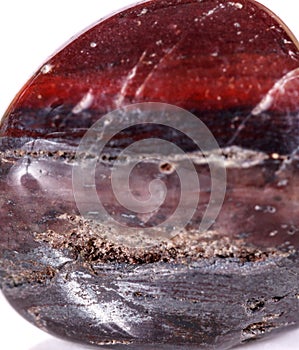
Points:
(233, 65)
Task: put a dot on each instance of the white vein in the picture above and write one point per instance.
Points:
(155, 67)
(85, 103)
(131, 75)
(278, 88)
(267, 101)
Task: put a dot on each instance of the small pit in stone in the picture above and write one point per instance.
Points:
(166, 168)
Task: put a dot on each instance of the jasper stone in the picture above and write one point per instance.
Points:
(234, 66)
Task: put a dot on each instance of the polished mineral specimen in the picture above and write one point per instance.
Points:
(234, 66)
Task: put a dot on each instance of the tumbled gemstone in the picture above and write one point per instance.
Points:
(218, 82)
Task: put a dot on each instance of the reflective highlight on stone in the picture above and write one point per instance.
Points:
(234, 65)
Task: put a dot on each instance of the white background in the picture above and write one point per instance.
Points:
(30, 31)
